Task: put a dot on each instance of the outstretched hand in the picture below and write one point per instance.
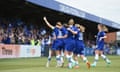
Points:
(44, 18)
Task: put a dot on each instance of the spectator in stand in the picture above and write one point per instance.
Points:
(15, 31)
(32, 41)
(6, 39)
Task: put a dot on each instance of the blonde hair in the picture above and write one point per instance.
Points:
(81, 27)
(104, 28)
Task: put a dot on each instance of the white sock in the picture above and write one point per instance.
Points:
(85, 59)
(58, 59)
(70, 59)
(105, 58)
(73, 61)
(61, 58)
(76, 62)
(96, 59)
(49, 58)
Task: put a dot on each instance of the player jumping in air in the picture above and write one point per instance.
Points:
(100, 45)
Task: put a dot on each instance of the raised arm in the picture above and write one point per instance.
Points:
(48, 24)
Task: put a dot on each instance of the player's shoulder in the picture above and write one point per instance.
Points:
(63, 28)
(103, 32)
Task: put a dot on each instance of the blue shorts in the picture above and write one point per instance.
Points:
(100, 46)
(57, 44)
(69, 44)
(79, 47)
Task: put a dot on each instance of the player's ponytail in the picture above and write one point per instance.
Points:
(103, 27)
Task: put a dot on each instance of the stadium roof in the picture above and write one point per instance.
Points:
(73, 11)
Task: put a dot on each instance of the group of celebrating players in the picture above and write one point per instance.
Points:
(68, 38)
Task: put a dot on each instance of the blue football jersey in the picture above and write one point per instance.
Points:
(64, 31)
(79, 36)
(70, 35)
(59, 32)
(99, 35)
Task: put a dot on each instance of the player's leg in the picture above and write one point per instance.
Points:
(62, 57)
(51, 52)
(58, 58)
(62, 52)
(76, 53)
(85, 60)
(76, 61)
(95, 58)
(69, 56)
(69, 47)
(105, 58)
(49, 58)
(81, 52)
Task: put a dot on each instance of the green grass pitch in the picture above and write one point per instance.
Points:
(38, 65)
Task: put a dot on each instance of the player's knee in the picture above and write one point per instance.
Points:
(96, 56)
